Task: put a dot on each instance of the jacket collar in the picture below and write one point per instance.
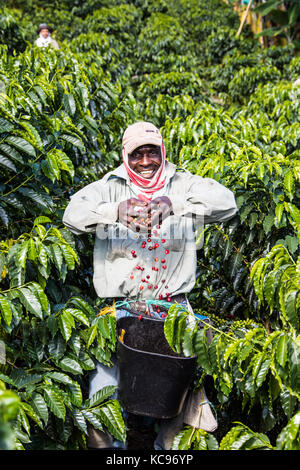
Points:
(121, 172)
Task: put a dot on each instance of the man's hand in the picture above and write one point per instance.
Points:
(158, 210)
(133, 214)
(142, 216)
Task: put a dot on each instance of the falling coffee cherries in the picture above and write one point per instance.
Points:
(161, 263)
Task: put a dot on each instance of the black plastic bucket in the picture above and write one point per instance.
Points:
(153, 379)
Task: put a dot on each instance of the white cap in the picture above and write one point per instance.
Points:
(141, 133)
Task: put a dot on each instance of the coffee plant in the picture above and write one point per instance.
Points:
(228, 110)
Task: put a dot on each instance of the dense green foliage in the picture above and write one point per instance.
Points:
(283, 19)
(227, 110)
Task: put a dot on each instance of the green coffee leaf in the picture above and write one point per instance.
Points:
(55, 402)
(100, 396)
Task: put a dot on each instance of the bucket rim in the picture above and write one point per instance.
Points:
(135, 316)
(148, 353)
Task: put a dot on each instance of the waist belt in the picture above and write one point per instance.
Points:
(141, 306)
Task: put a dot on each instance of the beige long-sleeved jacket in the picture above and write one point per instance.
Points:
(196, 201)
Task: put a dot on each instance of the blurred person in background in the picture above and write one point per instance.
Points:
(45, 39)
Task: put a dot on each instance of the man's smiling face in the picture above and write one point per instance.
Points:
(145, 160)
